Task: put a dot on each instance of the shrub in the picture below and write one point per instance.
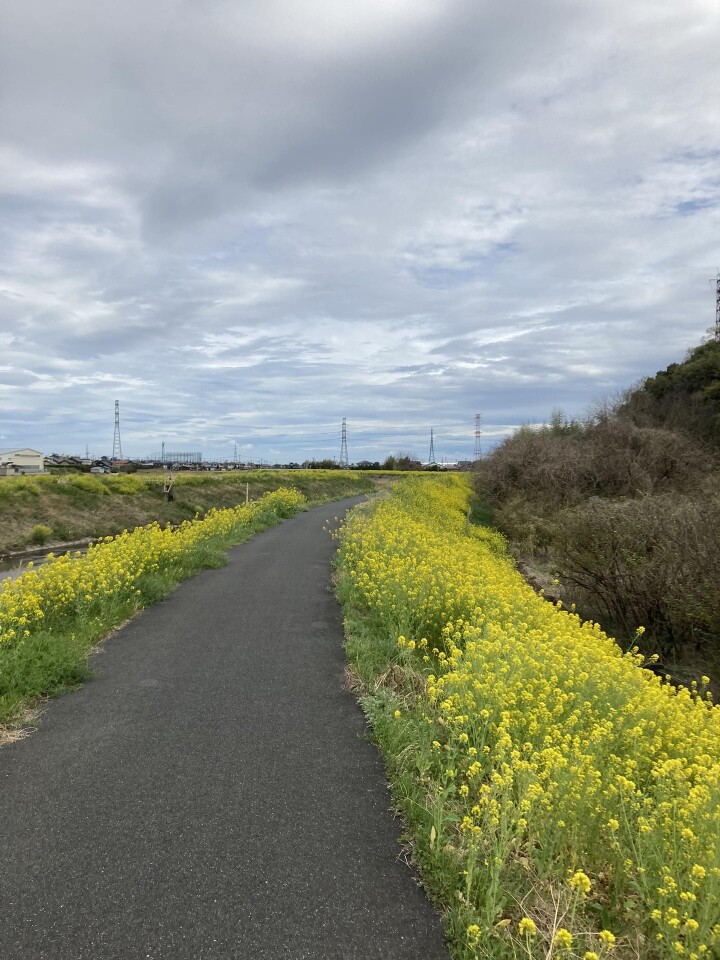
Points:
(529, 530)
(625, 504)
(61, 531)
(650, 561)
(40, 534)
(611, 458)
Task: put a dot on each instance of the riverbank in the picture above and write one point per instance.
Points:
(58, 512)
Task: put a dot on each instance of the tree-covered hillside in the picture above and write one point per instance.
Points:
(685, 397)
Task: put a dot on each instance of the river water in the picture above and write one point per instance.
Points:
(13, 567)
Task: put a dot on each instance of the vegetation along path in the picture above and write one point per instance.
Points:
(211, 793)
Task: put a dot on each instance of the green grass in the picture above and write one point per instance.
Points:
(481, 513)
(46, 664)
(383, 685)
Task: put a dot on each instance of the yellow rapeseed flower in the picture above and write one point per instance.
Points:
(559, 736)
(580, 881)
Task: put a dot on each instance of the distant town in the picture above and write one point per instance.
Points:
(25, 460)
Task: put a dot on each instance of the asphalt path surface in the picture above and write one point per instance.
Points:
(211, 793)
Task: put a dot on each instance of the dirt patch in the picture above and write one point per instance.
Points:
(21, 728)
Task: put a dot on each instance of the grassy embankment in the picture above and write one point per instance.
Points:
(561, 801)
(50, 510)
(51, 617)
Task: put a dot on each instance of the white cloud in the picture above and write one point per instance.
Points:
(247, 221)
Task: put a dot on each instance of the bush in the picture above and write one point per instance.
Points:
(624, 504)
(629, 517)
(40, 534)
(555, 468)
(61, 531)
(528, 530)
(651, 562)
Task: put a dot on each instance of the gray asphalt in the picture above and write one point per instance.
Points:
(211, 792)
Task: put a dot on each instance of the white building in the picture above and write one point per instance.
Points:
(23, 460)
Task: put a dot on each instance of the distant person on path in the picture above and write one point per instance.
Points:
(168, 488)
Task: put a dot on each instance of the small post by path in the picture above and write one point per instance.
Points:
(247, 494)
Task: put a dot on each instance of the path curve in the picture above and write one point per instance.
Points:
(211, 794)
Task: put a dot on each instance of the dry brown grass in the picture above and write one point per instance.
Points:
(22, 727)
(403, 681)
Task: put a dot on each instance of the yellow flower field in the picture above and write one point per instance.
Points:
(565, 801)
(66, 586)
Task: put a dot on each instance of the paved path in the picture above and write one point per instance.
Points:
(210, 794)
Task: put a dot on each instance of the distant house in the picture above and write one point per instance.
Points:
(61, 460)
(21, 460)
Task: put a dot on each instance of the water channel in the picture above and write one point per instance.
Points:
(15, 566)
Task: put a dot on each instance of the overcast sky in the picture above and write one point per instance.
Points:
(247, 219)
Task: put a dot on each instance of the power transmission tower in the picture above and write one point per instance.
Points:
(236, 460)
(431, 458)
(344, 461)
(716, 281)
(117, 446)
(477, 437)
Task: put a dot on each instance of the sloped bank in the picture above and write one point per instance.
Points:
(58, 510)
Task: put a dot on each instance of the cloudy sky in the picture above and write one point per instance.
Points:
(247, 219)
